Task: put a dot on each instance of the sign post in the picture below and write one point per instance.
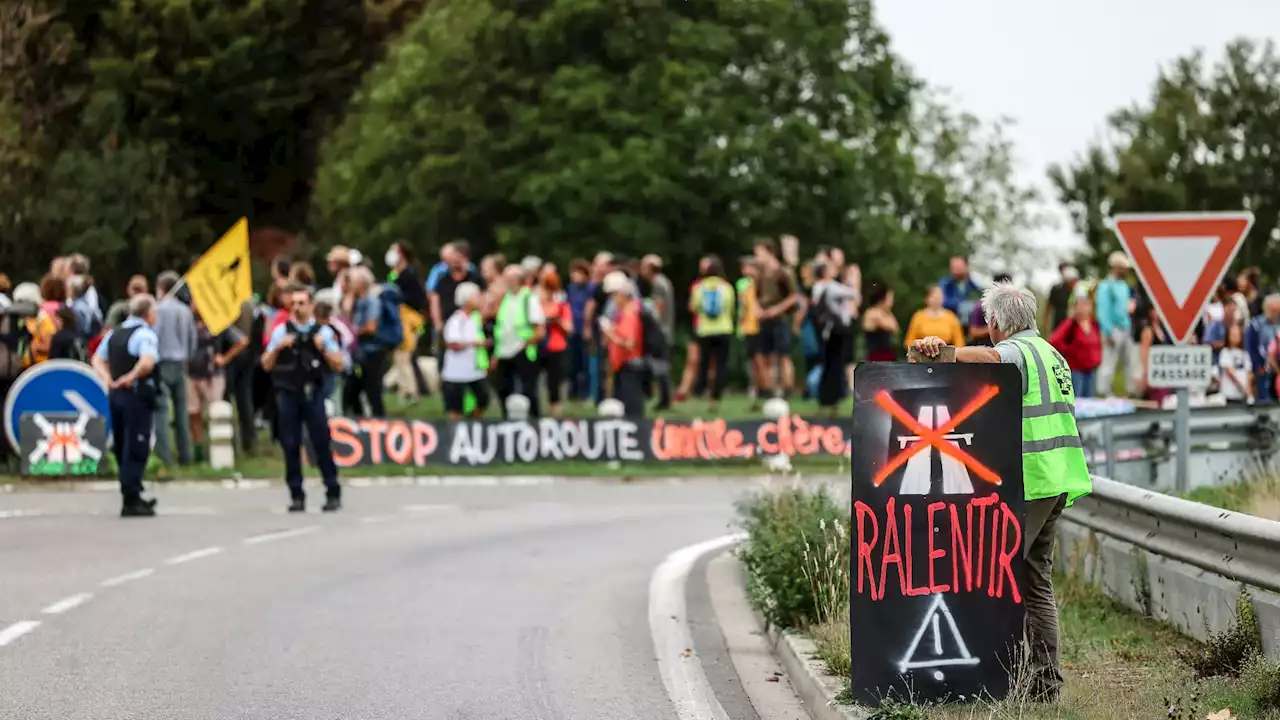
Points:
(936, 563)
(1180, 259)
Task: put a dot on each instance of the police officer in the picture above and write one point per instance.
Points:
(300, 355)
(126, 359)
(1054, 473)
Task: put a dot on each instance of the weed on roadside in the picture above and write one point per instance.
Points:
(776, 555)
(1224, 654)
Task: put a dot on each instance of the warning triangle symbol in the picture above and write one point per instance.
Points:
(937, 642)
(1181, 258)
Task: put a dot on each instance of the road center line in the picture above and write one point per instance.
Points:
(432, 508)
(196, 555)
(281, 535)
(128, 577)
(376, 519)
(17, 630)
(681, 670)
(67, 603)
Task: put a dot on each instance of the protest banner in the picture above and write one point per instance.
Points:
(477, 443)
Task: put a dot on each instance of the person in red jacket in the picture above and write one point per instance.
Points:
(1078, 340)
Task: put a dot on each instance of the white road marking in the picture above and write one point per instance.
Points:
(281, 535)
(17, 630)
(9, 514)
(191, 510)
(376, 519)
(196, 555)
(67, 603)
(128, 577)
(681, 670)
(432, 508)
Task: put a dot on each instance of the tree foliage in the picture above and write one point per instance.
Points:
(563, 127)
(139, 131)
(1207, 140)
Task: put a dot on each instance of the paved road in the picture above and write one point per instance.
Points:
(415, 602)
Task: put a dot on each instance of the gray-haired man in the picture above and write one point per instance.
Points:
(1054, 473)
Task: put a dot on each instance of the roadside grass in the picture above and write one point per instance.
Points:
(1118, 665)
(267, 463)
(1258, 494)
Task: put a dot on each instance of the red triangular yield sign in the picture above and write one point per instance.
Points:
(1181, 258)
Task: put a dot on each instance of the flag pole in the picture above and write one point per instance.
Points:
(181, 281)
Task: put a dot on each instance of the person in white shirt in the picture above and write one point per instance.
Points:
(466, 355)
(1235, 369)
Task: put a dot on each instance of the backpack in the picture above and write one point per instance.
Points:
(653, 342)
(825, 321)
(712, 301)
(14, 337)
(390, 332)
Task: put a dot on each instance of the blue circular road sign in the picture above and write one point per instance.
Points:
(55, 386)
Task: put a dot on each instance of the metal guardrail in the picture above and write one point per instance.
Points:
(1233, 545)
(1139, 448)
(1174, 559)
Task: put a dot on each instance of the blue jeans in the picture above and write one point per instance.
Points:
(1083, 383)
(297, 410)
(579, 382)
(597, 362)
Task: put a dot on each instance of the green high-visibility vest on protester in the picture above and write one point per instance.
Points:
(1052, 456)
(515, 310)
(482, 363)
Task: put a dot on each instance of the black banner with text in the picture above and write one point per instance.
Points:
(473, 443)
(936, 558)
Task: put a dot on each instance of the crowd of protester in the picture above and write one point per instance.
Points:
(1105, 331)
(478, 331)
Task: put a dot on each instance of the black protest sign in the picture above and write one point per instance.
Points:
(61, 444)
(936, 558)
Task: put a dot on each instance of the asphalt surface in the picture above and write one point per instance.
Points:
(445, 602)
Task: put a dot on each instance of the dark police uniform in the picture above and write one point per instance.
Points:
(132, 409)
(299, 378)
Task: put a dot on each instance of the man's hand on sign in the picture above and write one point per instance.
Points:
(930, 346)
(319, 342)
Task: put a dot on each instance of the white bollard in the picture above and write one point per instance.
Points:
(611, 408)
(517, 407)
(774, 410)
(222, 435)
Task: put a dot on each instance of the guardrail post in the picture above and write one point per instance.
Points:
(1182, 436)
(1109, 447)
(222, 435)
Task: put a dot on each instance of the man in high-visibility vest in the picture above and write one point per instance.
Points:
(1054, 473)
(518, 329)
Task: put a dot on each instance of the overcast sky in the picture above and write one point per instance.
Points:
(1059, 67)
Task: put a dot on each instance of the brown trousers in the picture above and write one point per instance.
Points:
(1042, 610)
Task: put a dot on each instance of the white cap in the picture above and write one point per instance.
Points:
(1070, 273)
(531, 263)
(464, 292)
(1119, 260)
(616, 281)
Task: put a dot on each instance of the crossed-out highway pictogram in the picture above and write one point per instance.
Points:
(935, 437)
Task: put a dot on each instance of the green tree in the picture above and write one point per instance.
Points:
(565, 126)
(144, 128)
(1206, 141)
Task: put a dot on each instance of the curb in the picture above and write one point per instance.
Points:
(816, 688)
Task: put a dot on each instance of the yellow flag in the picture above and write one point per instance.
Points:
(221, 280)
